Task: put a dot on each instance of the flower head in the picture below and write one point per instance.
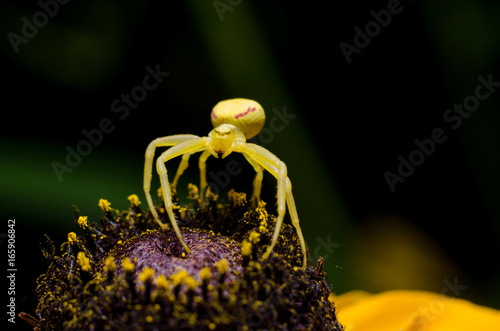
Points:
(125, 273)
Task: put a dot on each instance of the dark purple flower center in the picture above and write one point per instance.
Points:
(163, 252)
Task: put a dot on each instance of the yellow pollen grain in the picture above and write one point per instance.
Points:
(72, 237)
(146, 275)
(246, 248)
(104, 204)
(134, 200)
(222, 266)
(163, 282)
(190, 283)
(83, 261)
(127, 265)
(109, 264)
(205, 274)
(193, 192)
(82, 222)
(178, 278)
(254, 237)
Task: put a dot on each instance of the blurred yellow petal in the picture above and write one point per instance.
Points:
(348, 299)
(412, 311)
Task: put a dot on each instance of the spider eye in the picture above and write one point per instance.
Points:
(222, 131)
(247, 115)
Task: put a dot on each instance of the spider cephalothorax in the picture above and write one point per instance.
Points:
(224, 139)
(235, 121)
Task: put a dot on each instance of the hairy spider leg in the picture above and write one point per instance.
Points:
(202, 164)
(188, 146)
(257, 182)
(278, 169)
(292, 209)
(182, 166)
(150, 153)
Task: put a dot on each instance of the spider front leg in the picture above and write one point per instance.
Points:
(182, 166)
(202, 164)
(278, 169)
(186, 147)
(148, 166)
(257, 182)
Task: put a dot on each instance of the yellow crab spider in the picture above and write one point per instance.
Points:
(234, 121)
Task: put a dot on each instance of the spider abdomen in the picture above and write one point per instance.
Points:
(247, 115)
